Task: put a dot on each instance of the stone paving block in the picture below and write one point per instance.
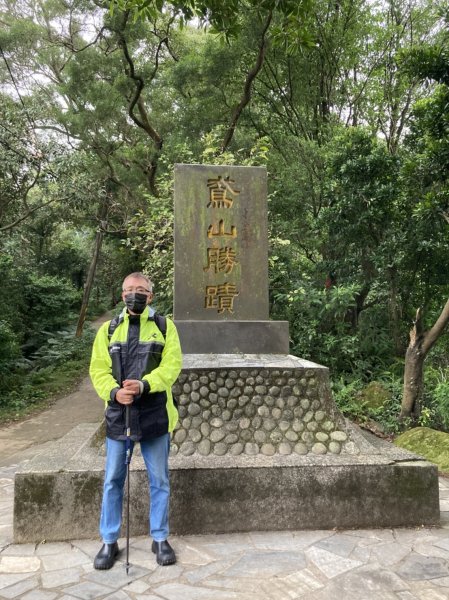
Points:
(266, 564)
(19, 588)
(147, 597)
(180, 591)
(162, 574)
(432, 595)
(329, 563)
(19, 549)
(138, 587)
(117, 577)
(74, 558)
(291, 586)
(416, 567)
(52, 548)
(200, 573)
(88, 590)
(119, 595)
(40, 595)
(8, 579)
(191, 554)
(287, 540)
(390, 553)
(62, 577)
(431, 550)
(339, 543)
(19, 564)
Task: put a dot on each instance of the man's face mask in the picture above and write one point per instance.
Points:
(136, 302)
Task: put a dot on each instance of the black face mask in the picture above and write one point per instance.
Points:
(136, 302)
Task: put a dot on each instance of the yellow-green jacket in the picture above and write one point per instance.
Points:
(135, 348)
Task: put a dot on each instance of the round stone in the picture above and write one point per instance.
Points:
(173, 449)
(226, 415)
(193, 377)
(187, 448)
(308, 416)
(204, 447)
(319, 448)
(339, 436)
(320, 436)
(216, 422)
(291, 436)
(274, 390)
(186, 422)
(250, 410)
(239, 382)
(180, 436)
(231, 426)
(217, 435)
(186, 388)
(236, 449)
(251, 448)
(206, 415)
(176, 389)
(291, 381)
(212, 375)
(220, 449)
(243, 400)
(220, 381)
(280, 381)
(298, 411)
(268, 449)
(307, 436)
(182, 411)
(231, 438)
(248, 390)
(351, 448)
(303, 382)
(243, 374)
(205, 429)
(285, 448)
(259, 380)
(257, 400)
(305, 403)
(320, 415)
(229, 383)
(327, 426)
(260, 436)
(235, 393)
(276, 437)
(286, 391)
(269, 400)
(257, 422)
(213, 386)
(204, 391)
(292, 401)
(204, 380)
(334, 447)
(280, 402)
(316, 404)
(183, 399)
(222, 402)
(204, 403)
(250, 380)
(196, 422)
(312, 382)
(297, 425)
(194, 435)
(269, 424)
(194, 396)
(296, 390)
(244, 423)
(284, 425)
(195, 385)
(263, 411)
(182, 377)
(312, 426)
(233, 374)
(301, 448)
(232, 403)
(260, 389)
(223, 392)
(276, 413)
(246, 435)
(287, 414)
(213, 397)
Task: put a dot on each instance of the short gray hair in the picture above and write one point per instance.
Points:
(140, 276)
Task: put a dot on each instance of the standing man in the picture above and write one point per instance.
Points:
(136, 358)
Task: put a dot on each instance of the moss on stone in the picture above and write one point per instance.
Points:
(433, 445)
(374, 395)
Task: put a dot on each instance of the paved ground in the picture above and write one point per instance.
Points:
(386, 564)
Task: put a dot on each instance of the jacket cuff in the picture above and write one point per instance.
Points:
(146, 386)
(113, 394)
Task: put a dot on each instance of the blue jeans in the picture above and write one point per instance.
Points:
(155, 454)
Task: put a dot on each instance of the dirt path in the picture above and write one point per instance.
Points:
(20, 441)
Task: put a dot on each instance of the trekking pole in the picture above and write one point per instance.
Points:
(127, 462)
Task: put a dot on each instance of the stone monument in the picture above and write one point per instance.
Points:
(260, 443)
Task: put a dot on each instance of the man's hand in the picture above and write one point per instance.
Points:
(124, 396)
(132, 385)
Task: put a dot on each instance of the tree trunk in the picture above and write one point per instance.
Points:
(89, 282)
(420, 344)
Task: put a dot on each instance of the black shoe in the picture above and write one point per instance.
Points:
(165, 555)
(106, 557)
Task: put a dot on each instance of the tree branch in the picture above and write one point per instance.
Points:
(247, 87)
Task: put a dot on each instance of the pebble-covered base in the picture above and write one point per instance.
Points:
(257, 411)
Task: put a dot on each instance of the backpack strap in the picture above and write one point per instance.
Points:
(160, 320)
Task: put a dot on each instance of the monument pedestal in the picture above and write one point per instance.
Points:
(260, 446)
